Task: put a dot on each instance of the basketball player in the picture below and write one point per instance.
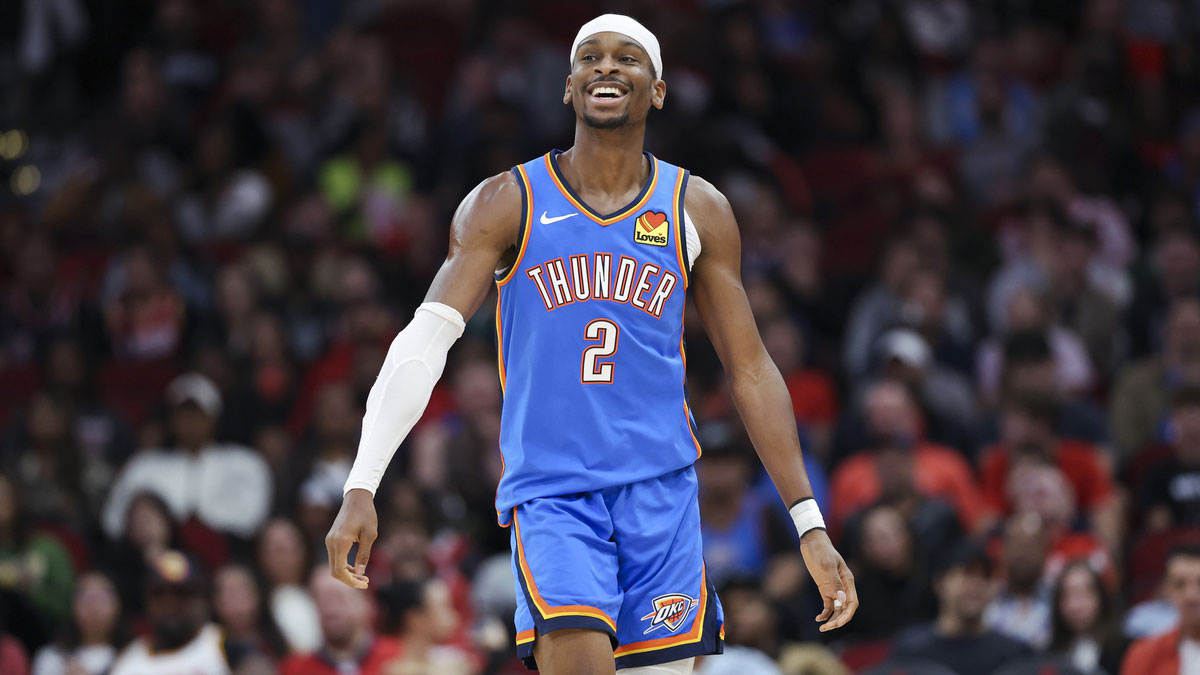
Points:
(591, 251)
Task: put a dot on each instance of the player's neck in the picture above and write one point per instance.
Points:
(605, 160)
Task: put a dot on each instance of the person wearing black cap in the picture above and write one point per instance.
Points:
(958, 639)
(182, 640)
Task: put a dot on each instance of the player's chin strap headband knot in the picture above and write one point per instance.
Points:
(619, 23)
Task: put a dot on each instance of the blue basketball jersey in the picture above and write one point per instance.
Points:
(589, 325)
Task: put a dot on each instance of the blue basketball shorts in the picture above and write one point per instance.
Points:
(627, 561)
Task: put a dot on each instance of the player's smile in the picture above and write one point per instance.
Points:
(607, 92)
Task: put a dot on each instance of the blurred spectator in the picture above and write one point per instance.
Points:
(945, 394)
(810, 660)
(12, 656)
(36, 574)
(39, 303)
(1022, 609)
(877, 308)
(814, 398)
(1026, 310)
(144, 315)
(420, 616)
(181, 639)
(1170, 491)
(97, 629)
(1086, 627)
(890, 569)
(901, 464)
(348, 643)
(49, 465)
(239, 610)
(1179, 650)
(1042, 491)
(1173, 274)
(958, 638)
(1030, 369)
(1139, 398)
(147, 531)
(751, 620)
(741, 529)
(1027, 435)
(225, 487)
(737, 660)
(284, 561)
(104, 437)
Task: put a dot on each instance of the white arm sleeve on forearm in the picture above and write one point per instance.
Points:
(398, 398)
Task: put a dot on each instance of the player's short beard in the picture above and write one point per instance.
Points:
(613, 123)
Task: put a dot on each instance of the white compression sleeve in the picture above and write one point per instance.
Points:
(398, 398)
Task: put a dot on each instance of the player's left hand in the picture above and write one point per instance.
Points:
(834, 579)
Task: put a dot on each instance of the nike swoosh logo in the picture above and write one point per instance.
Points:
(547, 221)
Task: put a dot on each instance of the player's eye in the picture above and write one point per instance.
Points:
(588, 57)
(628, 59)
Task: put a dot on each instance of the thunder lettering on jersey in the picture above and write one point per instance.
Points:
(589, 330)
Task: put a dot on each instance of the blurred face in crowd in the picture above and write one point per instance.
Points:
(1079, 600)
(148, 525)
(1027, 434)
(1041, 489)
(1185, 423)
(436, 620)
(749, 618)
(891, 414)
(1178, 258)
(344, 612)
(236, 295)
(281, 553)
(337, 417)
(475, 390)
(66, 369)
(613, 60)
(1025, 311)
(176, 613)
(1183, 331)
(48, 424)
(726, 476)
(95, 608)
(191, 426)
(1182, 589)
(886, 542)
(926, 299)
(964, 592)
(1032, 377)
(235, 599)
(1024, 553)
(900, 262)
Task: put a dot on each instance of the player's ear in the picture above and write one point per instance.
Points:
(567, 93)
(658, 94)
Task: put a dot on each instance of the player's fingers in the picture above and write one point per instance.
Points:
(851, 596)
(827, 610)
(337, 545)
(365, 540)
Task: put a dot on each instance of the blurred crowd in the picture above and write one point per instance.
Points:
(971, 241)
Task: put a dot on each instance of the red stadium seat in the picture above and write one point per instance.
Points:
(132, 388)
(1147, 558)
(858, 656)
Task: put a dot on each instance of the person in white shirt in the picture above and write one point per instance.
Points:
(182, 640)
(226, 487)
(96, 629)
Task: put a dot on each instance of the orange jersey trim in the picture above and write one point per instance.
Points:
(625, 213)
(680, 230)
(527, 196)
(545, 609)
(690, 637)
(526, 636)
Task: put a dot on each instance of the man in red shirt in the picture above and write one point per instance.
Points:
(901, 461)
(1177, 652)
(1027, 436)
(349, 643)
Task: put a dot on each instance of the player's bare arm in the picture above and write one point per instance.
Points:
(483, 236)
(758, 389)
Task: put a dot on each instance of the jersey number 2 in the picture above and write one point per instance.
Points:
(605, 333)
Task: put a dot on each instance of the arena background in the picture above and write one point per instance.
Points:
(969, 239)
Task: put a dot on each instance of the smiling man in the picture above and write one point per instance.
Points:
(592, 251)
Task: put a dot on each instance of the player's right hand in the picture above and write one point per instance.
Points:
(355, 522)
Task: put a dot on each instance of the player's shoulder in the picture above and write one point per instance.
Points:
(491, 211)
(711, 213)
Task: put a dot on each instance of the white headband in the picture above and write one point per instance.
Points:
(619, 23)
